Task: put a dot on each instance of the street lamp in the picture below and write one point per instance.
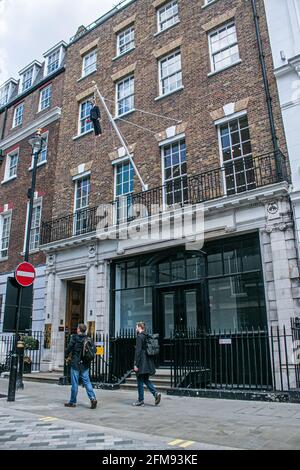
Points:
(37, 144)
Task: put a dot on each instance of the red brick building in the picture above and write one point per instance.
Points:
(185, 84)
(190, 86)
(27, 104)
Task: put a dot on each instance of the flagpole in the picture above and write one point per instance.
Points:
(144, 186)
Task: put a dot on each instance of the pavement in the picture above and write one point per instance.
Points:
(39, 420)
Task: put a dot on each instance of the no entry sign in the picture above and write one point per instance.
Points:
(25, 274)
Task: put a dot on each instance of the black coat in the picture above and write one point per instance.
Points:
(94, 117)
(75, 349)
(142, 361)
(95, 113)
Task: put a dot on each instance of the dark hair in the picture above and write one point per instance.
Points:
(82, 327)
(142, 325)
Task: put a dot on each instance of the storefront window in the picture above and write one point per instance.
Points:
(232, 259)
(178, 270)
(164, 272)
(215, 263)
(195, 267)
(120, 275)
(132, 275)
(147, 275)
(251, 255)
(132, 306)
(237, 302)
(228, 273)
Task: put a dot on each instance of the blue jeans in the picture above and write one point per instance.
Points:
(86, 382)
(141, 380)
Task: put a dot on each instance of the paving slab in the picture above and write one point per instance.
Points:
(209, 423)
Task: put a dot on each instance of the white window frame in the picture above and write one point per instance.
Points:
(42, 159)
(212, 54)
(122, 198)
(6, 91)
(161, 10)
(37, 202)
(49, 98)
(163, 59)
(131, 95)
(4, 94)
(57, 59)
(2, 217)
(80, 119)
(163, 144)
(30, 73)
(128, 45)
(124, 161)
(7, 176)
(52, 52)
(92, 65)
(18, 117)
(218, 124)
(76, 209)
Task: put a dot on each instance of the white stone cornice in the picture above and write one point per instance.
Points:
(27, 131)
(293, 65)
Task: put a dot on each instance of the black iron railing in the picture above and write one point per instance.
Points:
(234, 177)
(32, 357)
(237, 360)
(249, 360)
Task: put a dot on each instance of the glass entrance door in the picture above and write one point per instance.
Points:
(180, 308)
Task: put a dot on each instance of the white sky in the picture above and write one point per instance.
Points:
(28, 28)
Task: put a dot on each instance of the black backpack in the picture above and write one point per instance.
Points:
(152, 344)
(88, 350)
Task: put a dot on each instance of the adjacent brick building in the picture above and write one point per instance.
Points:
(27, 104)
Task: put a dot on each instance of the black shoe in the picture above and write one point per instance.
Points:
(70, 405)
(157, 398)
(138, 403)
(93, 404)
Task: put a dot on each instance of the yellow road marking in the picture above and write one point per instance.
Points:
(48, 418)
(187, 444)
(176, 442)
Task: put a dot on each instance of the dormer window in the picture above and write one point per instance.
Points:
(53, 62)
(6, 91)
(28, 75)
(27, 79)
(54, 58)
(4, 95)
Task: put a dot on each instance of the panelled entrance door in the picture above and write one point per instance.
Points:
(179, 308)
(75, 305)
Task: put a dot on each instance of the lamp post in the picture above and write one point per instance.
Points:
(36, 143)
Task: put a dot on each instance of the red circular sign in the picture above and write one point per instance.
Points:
(25, 274)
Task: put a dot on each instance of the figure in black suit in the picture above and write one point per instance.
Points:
(95, 116)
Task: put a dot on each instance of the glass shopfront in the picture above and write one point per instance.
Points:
(220, 287)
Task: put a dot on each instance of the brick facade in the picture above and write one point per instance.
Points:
(196, 105)
(14, 192)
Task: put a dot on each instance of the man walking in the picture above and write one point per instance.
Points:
(79, 368)
(143, 367)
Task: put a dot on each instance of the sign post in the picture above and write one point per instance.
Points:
(24, 275)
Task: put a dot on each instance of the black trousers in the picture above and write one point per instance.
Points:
(97, 127)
